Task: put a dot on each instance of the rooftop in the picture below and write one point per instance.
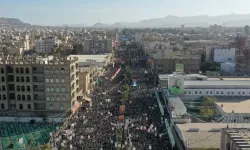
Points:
(218, 84)
(238, 105)
(84, 58)
(203, 135)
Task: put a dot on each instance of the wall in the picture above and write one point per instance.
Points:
(224, 55)
(27, 119)
(217, 92)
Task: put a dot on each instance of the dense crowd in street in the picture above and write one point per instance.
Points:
(94, 125)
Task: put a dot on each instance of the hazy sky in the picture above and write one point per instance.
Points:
(58, 12)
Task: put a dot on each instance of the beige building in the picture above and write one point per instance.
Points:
(95, 46)
(235, 139)
(167, 65)
(38, 87)
(87, 77)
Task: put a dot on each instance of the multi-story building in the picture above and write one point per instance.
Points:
(33, 86)
(168, 65)
(235, 138)
(46, 45)
(97, 46)
(222, 55)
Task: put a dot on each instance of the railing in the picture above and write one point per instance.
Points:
(159, 102)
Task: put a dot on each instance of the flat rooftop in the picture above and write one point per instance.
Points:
(236, 104)
(207, 136)
(229, 79)
(220, 84)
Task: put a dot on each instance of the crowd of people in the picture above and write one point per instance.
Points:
(95, 125)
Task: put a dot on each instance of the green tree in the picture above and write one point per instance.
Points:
(203, 57)
(209, 66)
(77, 49)
(208, 102)
(128, 75)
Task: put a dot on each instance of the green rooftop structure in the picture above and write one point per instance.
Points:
(32, 135)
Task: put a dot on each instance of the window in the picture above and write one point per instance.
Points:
(27, 79)
(46, 71)
(228, 93)
(29, 106)
(57, 90)
(243, 92)
(57, 80)
(206, 92)
(221, 92)
(22, 79)
(23, 88)
(27, 70)
(3, 88)
(73, 94)
(18, 88)
(232, 92)
(61, 107)
(63, 89)
(21, 70)
(2, 79)
(2, 70)
(195, 92)
(17, 70)
(62, 80)
(47, 89)
(51, 106)
(17, 79)
(217, 92)
(57, 98)
(62, 71)
(200, 92)
(51, 80)
(63, 98)
(48, 98)
(20, 106)
(52, 98)
(28, 97)
(2, 106)
(28, 88)
(238, 92)
(4, 97)
(56, 71)
(0, 97)
(211, 92)
(23, 97)
(51, 71)
(18, 97)
(47, 80)
(189, 92)
(51, 89)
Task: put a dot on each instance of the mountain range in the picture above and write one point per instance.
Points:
(168, 21)
(190, 21)
(12, 22)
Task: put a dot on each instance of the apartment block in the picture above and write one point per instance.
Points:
(98, 46)
(168, 65)
(33, 86)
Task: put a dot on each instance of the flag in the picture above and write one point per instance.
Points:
(117, 71)
(134, 82)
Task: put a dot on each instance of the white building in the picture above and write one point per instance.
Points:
(46, 45)
(224, 55)
(196, 85)
(228, 68)
(39, 46)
